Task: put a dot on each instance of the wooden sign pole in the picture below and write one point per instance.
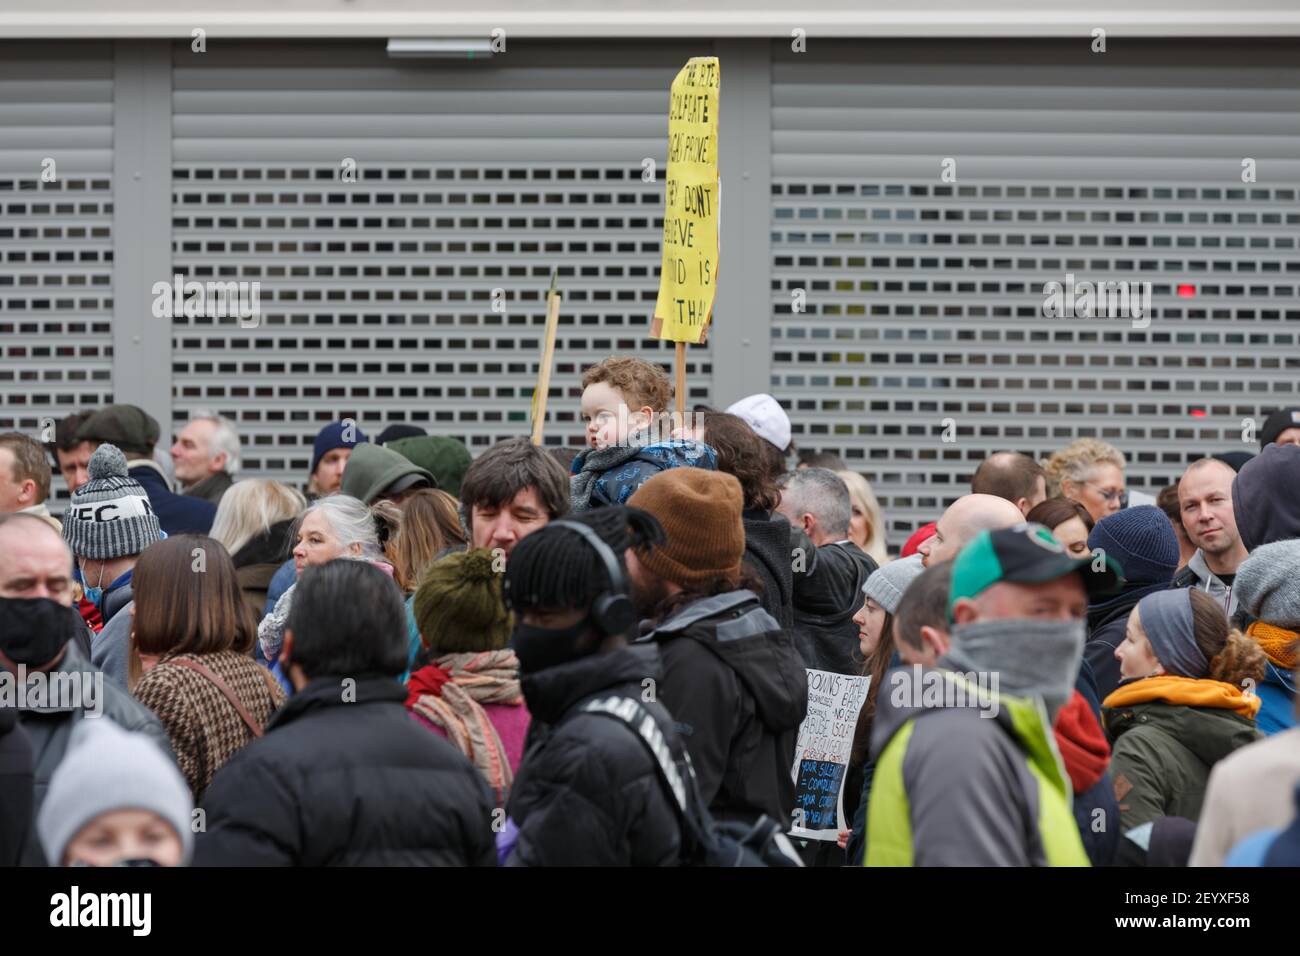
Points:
(681, 385)
(548, 356)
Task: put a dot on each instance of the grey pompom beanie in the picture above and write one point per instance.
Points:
(110, 515)
(1268, 583)
(107, 768)
(887, 583)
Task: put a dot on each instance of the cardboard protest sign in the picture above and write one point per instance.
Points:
(821, 756)
(689, 273)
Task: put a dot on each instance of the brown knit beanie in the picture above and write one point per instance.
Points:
(458, 607)
(700, 511)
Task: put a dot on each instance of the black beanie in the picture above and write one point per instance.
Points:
(1277, 423)
(1233, 459)
(399, 430)
(555, 567)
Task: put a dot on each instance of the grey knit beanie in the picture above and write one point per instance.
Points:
(887, 583)
(107, 768)
(1266, 583)
(110, 516)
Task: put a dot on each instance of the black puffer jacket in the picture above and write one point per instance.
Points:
(588, 793)
(347, 783)
(767, 557)
(827, 593)
(15, 788)
(737, 687)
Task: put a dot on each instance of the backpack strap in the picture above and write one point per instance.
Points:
(215, 679)
(674, 768)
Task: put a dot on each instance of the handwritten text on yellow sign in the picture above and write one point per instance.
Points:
(688, 277)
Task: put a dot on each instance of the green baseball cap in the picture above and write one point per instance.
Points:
(1026, 554)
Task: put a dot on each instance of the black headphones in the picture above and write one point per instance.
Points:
(612, 611)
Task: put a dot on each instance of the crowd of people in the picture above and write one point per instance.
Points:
(601, 655)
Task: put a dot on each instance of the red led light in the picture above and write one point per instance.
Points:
(1198, 413)
(1187, 291)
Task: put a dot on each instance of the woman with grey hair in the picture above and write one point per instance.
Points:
(339, 526)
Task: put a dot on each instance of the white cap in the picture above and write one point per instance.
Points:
(766, 417)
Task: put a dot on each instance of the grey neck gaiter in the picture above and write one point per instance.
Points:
(1032, 658)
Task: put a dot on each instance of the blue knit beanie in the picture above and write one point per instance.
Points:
(1142, 540)
(331, 437)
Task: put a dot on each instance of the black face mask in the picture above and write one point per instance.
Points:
(34, 630)
(539, 648)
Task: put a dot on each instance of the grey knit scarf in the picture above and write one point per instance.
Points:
(595, 463)
(1032, 658)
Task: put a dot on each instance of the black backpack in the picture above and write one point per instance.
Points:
(705, 841)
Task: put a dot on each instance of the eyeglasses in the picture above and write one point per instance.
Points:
(1121, 496)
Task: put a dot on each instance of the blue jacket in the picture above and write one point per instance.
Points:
(281, 581)
(1098, 830)
(414, 644)
(116, 596)
(594, 484)
(1276, 701)
(177, 514)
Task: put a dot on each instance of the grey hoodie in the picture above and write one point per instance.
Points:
(1198, 574)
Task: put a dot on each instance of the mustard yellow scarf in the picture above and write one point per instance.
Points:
(1277, 642)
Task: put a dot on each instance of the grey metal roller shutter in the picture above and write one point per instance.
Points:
(924, 298)
(56, 242)
(377, 294)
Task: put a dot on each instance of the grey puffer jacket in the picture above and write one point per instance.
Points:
(49, 723)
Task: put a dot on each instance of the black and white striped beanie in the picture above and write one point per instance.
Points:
(110, 516)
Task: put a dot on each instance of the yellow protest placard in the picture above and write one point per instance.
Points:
(689, 274)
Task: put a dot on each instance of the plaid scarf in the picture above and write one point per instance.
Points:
(488, 677)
